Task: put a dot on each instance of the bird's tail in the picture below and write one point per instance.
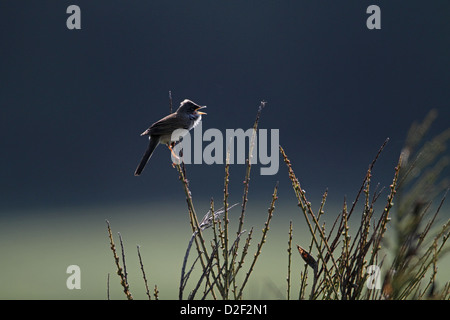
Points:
(153, 143)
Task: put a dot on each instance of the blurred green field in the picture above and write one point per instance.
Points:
(37, 247)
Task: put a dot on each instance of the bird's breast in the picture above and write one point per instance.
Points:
(195, 120)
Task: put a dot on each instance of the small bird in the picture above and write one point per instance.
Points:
(186, 117)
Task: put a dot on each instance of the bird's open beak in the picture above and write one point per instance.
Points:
(200, 112)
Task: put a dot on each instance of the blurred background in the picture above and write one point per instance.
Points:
(73, 103)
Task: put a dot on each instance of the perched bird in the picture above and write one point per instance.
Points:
(186, 117)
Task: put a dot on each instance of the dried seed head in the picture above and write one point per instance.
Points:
(207, 220)
(307, 257)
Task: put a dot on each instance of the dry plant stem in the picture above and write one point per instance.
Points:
(363, 185)
(424, 263)
(306, 209)
(205, 272)
(432, 280)
(217, 231)
(247, 176)
(201, 248)
(364, 228)
(107, 287)
(350, 271)
(359, 248)
(381, 226)
(227, 271)
(354, 269)
(156, 292)
(365, 179)
(123, 257)
(215, 280)
(405, 282)
(123, 280)
(415, 193)
(244, 253)
(249, 165)
(262, 241)
(289, 250)
(147, 291)
(354, 254)
(305, 272)
(361, 242)
(346, 215)
(345, 256)
(184, 278)
(241, 261)
(170, 102)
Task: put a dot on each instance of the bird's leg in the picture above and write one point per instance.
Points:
(170, 146)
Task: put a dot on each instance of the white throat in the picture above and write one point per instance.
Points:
(197, 121)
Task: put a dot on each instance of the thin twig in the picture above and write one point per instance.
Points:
(262, 241)
(123, 282)
(147, 291)
(107, 287)
(170, 102)
(200, 243)
(123, 258)
(206, 271)
(289, 250)
(156, 292)
(183, 278)
(227, 271)
(305, 205)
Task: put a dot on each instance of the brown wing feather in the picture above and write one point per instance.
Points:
(166, 125)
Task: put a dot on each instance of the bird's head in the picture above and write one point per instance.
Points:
(190, 108)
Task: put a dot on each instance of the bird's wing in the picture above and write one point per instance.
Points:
(166, 126)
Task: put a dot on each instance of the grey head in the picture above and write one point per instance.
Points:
(187, 107)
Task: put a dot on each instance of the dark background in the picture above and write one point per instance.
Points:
(73, 103)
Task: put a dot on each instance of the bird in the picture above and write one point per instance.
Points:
(187, 116)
